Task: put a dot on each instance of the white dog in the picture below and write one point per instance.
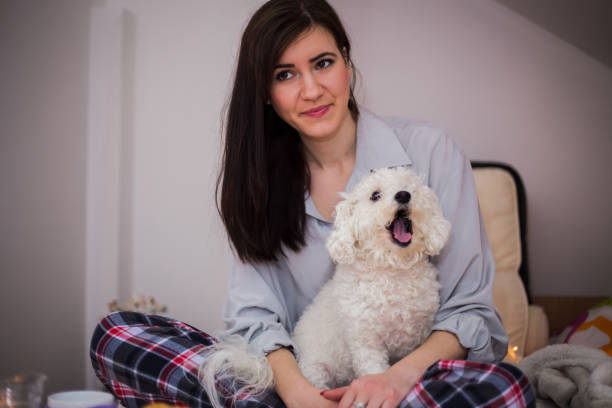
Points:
(380, 304)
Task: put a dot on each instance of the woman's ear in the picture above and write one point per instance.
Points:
(345, 56)
(341, 241)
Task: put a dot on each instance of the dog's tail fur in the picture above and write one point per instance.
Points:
(237, 369)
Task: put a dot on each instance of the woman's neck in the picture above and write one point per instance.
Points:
(333, 151)
(330, 160)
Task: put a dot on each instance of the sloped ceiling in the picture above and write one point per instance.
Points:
(585, 24)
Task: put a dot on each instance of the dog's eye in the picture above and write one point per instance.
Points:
(375, 196)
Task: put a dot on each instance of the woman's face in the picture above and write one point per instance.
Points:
(311, 85)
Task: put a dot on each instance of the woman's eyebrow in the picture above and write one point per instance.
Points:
(313, 59)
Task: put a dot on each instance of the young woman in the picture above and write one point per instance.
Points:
(294, 138)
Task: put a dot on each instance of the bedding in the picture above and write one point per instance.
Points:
(593, 329)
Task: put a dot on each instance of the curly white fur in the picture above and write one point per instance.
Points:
(381, 302)
(235, 367)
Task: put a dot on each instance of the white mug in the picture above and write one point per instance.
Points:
(81, 399)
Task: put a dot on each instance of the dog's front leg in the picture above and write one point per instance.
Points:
(368, 352)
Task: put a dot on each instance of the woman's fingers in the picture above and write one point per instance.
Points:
(374, 391)
(348, 399)
(391, 404)
(375, 401)
(335, 394)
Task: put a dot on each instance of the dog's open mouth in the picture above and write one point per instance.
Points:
(401, 229)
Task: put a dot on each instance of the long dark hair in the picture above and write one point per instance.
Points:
(264, 177)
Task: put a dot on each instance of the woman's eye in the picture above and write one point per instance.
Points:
(284, 75)
(324, 63)
(375, 196)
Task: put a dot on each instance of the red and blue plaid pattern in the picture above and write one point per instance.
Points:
(144, 359)
(461, 383)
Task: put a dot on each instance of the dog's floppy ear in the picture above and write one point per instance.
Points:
(437, 228)
(341, 241)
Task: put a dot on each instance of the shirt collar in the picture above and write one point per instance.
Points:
(377, 146)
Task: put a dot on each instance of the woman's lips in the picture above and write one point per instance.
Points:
(317, 112)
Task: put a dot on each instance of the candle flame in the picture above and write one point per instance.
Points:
(512, 353)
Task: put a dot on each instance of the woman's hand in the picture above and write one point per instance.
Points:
(384, 390)
(291, 386)
(387, 390)
(310, 398)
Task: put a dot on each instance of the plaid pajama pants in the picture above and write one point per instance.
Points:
(144, 359)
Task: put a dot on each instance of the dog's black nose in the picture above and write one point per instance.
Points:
(402, 197)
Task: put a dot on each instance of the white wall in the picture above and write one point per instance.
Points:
(508, 91)
(170, 73)
(175, 65)
(145, 129)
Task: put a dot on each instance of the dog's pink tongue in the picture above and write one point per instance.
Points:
(400, 233)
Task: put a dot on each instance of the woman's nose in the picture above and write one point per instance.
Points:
(311, 88)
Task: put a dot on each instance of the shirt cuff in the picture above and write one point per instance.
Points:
(474, 335)
(273, 338)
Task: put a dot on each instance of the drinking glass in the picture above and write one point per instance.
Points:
(22, 391)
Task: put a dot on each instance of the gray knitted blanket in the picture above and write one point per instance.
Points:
(570, 376)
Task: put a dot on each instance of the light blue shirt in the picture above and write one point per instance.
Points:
(265, 300)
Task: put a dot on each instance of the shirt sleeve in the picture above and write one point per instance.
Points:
(466, 265)
(255, 308)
